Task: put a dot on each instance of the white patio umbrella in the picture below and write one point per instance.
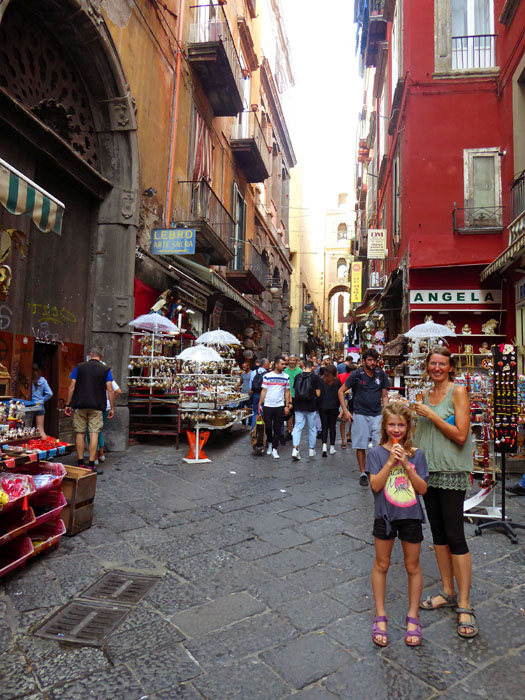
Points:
(154, 323)
(429, 330)
(218, 337)
(200, 353)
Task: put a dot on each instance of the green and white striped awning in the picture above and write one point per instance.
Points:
(20, 195)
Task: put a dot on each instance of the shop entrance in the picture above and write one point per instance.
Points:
(45, 355)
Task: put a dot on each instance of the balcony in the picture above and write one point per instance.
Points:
(250, 273)
(517, 208)
(212, 55)
(471, 52)
(250, 148)
(477, 219)
(377, 25)
(200, 208)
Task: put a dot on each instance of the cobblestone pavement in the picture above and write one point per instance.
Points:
(265, 591)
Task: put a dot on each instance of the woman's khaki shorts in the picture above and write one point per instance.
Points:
(87, 418)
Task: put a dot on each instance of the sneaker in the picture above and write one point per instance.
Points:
(363, 480)
(311, 452)
(96, 463)
(324, 452)
(102, 458)
(97, 471)
(275, 454)
(332, 450)
(295, 454)
(517, 490)
(269, 449)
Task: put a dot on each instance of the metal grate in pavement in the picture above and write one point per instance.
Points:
(121, 587)
(83, 622)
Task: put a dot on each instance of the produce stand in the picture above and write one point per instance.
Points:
(30, 501)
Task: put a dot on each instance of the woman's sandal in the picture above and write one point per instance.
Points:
(413, 633)
(376, 632)
(343, 445)
(472, 625)
(451, 601)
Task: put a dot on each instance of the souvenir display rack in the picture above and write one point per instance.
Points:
(30, 501)
(209, 400)
(153, 398)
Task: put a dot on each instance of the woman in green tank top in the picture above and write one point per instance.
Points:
(443, 434)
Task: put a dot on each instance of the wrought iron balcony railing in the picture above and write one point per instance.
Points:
(517, 197)
(476, 51)
(478, 219)
(250, 147)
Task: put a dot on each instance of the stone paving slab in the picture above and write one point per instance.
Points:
(219, 613)
(264, 593)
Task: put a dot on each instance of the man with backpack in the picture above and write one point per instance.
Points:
(256, 381)
(307, 389)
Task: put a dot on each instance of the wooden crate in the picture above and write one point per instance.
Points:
(79, 486)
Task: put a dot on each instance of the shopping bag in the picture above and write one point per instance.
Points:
(258, 436)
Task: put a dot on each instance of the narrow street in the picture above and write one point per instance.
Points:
(264, 591)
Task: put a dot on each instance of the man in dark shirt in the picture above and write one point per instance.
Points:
(369, 384)
(305, 409)
(87, 397)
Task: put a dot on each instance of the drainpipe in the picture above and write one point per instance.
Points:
(174, 116)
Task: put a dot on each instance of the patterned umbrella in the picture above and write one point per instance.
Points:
(154, 323)
(200, 353)
(218, 337)
(429, 330)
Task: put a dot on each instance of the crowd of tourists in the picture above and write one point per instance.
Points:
(398, 464)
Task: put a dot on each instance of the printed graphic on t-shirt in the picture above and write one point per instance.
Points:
(398, 489)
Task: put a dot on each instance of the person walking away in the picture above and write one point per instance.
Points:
(518, 489)
(87, 398)
(329, 407)
(398, 474)
(345, 427)
(369, 385)
(443, 433)
(276, 398)
(101, 457)
(256, 381)
(244, 386)
(307, 390)
(40, 393)
(292, 370)
(341, 366)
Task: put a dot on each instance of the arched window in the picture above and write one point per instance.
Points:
(342, 232)
(341, 269)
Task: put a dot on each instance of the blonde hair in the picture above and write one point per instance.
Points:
(396, 408)
(444, 352)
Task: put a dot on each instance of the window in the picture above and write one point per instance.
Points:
(465, 39)
(397, 47)
(482, 180)
(472, 34)
(396, 202)
(342, 232)
(239, 236)
(341, 269)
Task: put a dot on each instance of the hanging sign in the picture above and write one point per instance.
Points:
(455, 296)
(173, 241)
(376, 244)
(355, 290)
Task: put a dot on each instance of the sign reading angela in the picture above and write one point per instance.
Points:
(173, 241)
(455, 296)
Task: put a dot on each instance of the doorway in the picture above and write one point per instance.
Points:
(45, 355)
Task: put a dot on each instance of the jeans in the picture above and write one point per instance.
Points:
(302, 417)
(273, 422)
(328, 422)
(255, 406)
(522, 481)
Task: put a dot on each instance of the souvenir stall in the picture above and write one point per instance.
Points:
(209, 395)
(153, 394)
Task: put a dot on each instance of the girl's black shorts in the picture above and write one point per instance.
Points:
(408, 530)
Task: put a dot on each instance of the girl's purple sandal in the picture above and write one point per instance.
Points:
(377, 632)
(413, 633)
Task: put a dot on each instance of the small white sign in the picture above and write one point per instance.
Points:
(455, 296)
(376, 244)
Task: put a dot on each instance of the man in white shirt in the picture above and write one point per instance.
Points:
(277, 400)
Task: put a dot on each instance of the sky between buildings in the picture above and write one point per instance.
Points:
(323, 106)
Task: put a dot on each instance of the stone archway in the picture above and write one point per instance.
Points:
(105, 165)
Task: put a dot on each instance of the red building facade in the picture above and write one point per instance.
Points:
(443, 153)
